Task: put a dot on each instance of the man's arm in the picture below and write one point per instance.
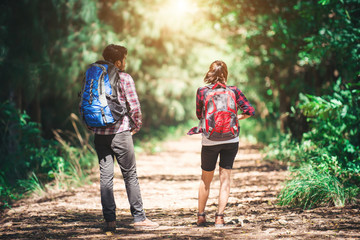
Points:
(134, 104)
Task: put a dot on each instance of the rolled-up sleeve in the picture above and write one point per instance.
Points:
(199, 103)
(244, 104)
(134, 103)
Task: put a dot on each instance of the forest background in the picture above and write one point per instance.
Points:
(296, 61)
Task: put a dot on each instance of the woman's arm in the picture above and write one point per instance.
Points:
(247, 109)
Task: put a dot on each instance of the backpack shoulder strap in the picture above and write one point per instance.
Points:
(113, 73)
(218, 84)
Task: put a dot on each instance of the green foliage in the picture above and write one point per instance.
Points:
(29, 162)
(42, 74)
(249, 129)
(7, 193)
(23, 150)
(285, 149)
(335, 127)
(327, 160)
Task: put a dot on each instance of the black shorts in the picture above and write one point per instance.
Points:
(209, 156)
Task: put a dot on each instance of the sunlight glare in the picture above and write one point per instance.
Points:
(181, 6)
(175, 12)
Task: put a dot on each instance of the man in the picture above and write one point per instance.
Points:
(116, 141)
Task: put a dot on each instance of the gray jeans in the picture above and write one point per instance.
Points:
(121, 146)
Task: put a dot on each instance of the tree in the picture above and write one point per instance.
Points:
(43, 50)
(293, 47)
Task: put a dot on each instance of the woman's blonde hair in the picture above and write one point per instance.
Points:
(217, 73)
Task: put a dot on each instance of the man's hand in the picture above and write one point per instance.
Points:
(133, 132)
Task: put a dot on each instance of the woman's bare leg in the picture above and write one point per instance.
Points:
(224, 192)
(204, 189)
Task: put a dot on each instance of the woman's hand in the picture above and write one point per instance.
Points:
(243, 116)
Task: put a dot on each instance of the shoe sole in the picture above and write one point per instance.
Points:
(137, 228)
(219, 225)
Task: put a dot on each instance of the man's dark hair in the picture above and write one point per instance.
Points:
(113, 52)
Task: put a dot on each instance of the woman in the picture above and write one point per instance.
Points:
(227, 149)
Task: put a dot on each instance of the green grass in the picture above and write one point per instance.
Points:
(32, 185)
(309, 188)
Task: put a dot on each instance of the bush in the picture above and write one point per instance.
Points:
(335, 131)
(23, 152)
(28, 161)
(330, 150)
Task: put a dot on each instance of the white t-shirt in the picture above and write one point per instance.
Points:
(207, 142)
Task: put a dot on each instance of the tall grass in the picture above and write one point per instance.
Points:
(79, 157)
(309, 188)
(33, 185)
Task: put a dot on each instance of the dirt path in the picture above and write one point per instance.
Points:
(169, 182)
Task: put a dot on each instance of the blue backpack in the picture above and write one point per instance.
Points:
(99, 103)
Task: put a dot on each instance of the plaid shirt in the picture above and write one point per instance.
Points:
(241, 101)
(128, 94)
